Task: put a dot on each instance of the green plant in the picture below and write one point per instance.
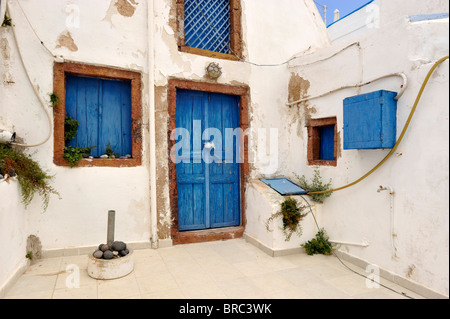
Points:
(7, 21)
(316, 185)
(29, 255)
(30, 175)
(110, 152)
(54, 99)
(74, 154)
(70, 128)
(292, 215)
(320, 244)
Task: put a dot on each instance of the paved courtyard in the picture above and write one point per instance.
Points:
(232, 269)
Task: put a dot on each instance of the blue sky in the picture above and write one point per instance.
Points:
(344, 7)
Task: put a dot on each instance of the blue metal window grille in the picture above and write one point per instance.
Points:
(207, 25)
(284, 186)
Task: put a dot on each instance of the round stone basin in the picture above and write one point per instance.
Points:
(110, 268)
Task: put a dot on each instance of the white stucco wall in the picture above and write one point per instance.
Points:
(13, 221)
(417, 172)
(272, 33)
(356, 23)
(115, 33)
(105, 34)
(102, 36)
(262, 203)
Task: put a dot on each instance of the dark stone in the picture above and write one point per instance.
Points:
(98, 254)
(108, 254)
(124, 252)
(100, 246)
(118, 245)
(104, 248)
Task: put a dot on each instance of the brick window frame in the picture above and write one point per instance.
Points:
(313, 127)
(235, 33)
(59, 87)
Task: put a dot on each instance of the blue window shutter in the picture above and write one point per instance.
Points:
(207, 24)
(103, 108)
(370, 120)
(327, 143)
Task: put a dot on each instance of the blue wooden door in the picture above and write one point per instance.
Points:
(208, 170)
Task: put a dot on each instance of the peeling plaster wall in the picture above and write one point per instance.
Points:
(114, 33)
(418, 171)
(272, 33)
(107, 33)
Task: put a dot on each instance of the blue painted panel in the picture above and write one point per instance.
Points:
(426, 17)
(191, 177)
(93, 89)
(207, 24)
(223, 115)
(213, 198)
(388, 119)
(327, 143)
(103, 108)
(116, 112)
(284, 186)
(370, 120)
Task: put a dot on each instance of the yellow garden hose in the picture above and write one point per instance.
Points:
(400, 137)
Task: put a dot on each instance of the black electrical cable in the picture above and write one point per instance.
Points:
(364, 276)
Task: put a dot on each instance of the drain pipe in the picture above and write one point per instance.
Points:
(391, 210)
(151, 94)
(363, 244)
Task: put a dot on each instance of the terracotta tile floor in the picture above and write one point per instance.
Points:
(232, 269)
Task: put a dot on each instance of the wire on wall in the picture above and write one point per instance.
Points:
(35, 89)
(402, 88)
(34, 31)
(402, 134)
(346, 266)
(229, 45)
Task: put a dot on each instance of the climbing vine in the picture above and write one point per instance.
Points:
(70, 128)
(54, 99)
(315, 185)
(320, 244)
(31, 177)
(7, 21)
(291, 214)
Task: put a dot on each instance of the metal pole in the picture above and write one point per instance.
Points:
(111, 223)
(325, 15)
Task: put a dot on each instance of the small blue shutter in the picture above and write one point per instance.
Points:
(103, 108)
(207, 24)
(327, 143)
(370, 120)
